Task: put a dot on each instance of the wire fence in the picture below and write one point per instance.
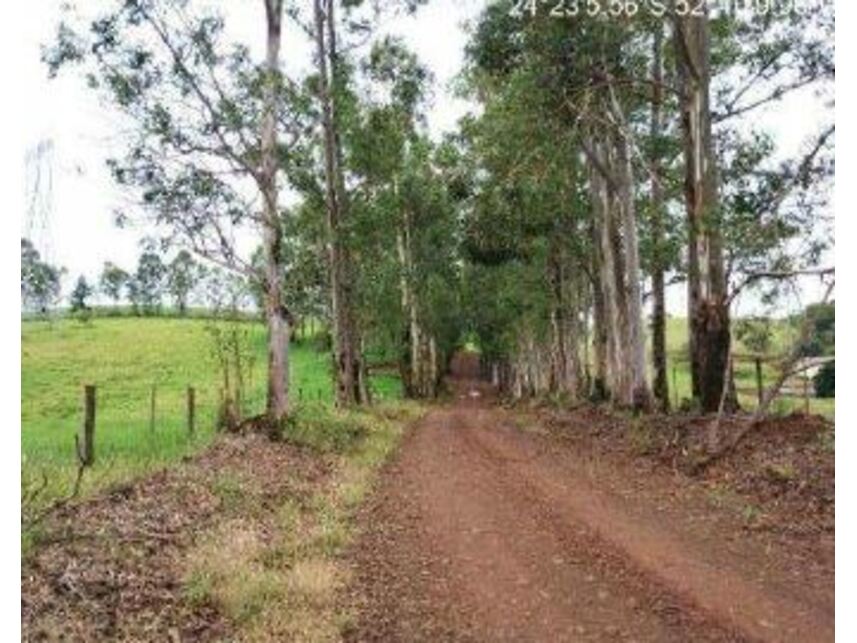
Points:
(115, 435)
(753, 374)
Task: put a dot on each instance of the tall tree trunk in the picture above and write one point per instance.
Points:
(599, 317)
(406, 353)
(602, 217)
(659, 316)
(415, 369)
(558, 373)
(346, 354)
(708, 308)
(422, 369)
(419, 365)
(352, 355)
(617, 275)
(583, 322)
(275, 311)
(639, 387)
(611, 190)
(573, 331)
(565, 361)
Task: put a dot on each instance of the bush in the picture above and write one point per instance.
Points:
(825, 381)
(324, 429)
(823, 338)
(755, 333)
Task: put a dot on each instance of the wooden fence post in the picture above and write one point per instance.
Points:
(675, 389)
(191, 410)
(221, 410)
(760, 387)
(152, 408)
(86, 451)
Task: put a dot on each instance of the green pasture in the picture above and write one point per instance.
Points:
(745, 371)
(125, 358)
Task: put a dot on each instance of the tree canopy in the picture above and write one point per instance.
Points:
(610, 156)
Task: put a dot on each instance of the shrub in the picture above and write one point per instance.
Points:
(825, 381)
(325, 429)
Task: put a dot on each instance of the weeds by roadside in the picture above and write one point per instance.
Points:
(124, 357)
(276, 574)
(243, 541)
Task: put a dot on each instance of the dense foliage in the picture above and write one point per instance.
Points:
(609, 156)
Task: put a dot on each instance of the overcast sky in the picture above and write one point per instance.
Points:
(80, 234)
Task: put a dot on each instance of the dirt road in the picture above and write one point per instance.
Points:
(483, 530)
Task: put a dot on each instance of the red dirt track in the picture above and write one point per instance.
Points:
(486, 531)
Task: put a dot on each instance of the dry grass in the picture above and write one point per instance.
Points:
(277, 574)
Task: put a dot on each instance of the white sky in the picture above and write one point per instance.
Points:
(81, 234)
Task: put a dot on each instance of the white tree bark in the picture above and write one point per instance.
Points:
(275, 311)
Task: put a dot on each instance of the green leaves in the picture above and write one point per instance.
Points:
(40, 281)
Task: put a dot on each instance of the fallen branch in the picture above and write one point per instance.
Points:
(787, 370)
(82, 465)
(788, 366)
(27, 522)
(819, 361)
(714, 427)
(29, 496)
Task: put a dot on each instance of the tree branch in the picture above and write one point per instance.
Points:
(778, 275)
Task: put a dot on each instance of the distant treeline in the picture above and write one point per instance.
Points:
(181, 286)
(169, 312)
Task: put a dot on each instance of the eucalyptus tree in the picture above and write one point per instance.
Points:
(734, 203)
(204, 147)
(182, 275)
(112, 282)
(629, 105)
(404, 218)
(657, 218)
(146, 288)
(429, 275)
(350, 386)
(528, 227)
(397, 161)
(562, 86)
(40, 281)
(338, 27)
(708, 312)
(80, 294)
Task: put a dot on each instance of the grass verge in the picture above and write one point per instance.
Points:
(276, 573)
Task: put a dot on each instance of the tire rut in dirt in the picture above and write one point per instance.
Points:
(458, 548)
(702, 579)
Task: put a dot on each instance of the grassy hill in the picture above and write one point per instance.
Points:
(124, 357)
